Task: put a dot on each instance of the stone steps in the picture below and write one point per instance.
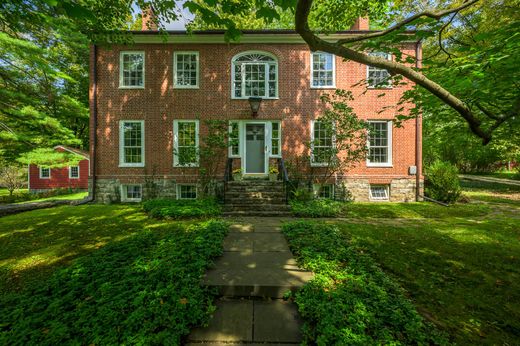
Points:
(255, 197)
(257, 207)
(241, 213)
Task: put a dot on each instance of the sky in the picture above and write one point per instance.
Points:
(180, 24)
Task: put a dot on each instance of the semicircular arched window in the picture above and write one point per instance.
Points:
(254, 74)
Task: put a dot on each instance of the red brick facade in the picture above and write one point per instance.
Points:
(159, 104)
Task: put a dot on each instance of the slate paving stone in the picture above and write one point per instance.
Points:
(233, 321)
(276, 321)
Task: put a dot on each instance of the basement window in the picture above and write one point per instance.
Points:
(326, 191)
(379, 192)
(186, 191)
(131, 193)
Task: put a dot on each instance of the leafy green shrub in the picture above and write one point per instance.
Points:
(182, 209)
(351, 301)
(442, 182)
(317, 208)
(142, 290)
(28, 196)
(302, 195)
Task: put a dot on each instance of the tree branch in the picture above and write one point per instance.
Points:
(315, 43)
(429, 13)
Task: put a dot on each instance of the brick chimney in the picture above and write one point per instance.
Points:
(149, 21)
(361, 23)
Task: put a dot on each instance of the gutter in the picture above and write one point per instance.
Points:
(418, 148)
(92, 161)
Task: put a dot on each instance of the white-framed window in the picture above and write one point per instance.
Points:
(131, 193)
(380, 144)
(234, 139)
(379, 192)
(323, 70)
(379, 77)
(326, 191)
(45, 173)
(322, 143)
(254, 74)
(131, 143)
(276, 139)
(131, 70)
(186, 70)
(74, 172)
(186, 143)
(186, 191)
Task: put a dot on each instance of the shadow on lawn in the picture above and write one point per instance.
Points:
(464, 274)
(35, 243)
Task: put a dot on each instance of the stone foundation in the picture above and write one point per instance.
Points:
(400, 190)
(109, 190)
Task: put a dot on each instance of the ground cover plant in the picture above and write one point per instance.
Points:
(351, 301)
(182, 209)
(134, 280)
(317, 208)
(460, 268)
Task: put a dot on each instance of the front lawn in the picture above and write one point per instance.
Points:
(460, 266)
(99, 274)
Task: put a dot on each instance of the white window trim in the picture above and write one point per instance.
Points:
(122, 162)
(177, 86)
(178, 192)
(233, 97)
(176, 142)
(318, 164)
(230, 151)
(387, 188)
(121, 86)
(123, 193)
(316, 187)
(390, 146)
(271, 139)
(40, 173)
(70, 172)
(383, 87)
(333, 86)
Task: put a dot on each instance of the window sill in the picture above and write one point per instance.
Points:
(186, 166)
(132, 200)
(131, 87)
(122, 165)
(380, 88)
(247, 98)
(323, 87)
(319, 165)
(383, 165)
(178, 87)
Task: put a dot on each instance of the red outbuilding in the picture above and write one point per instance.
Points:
(75, 177)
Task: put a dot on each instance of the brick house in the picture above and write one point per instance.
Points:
(74, 177)
(149, 102)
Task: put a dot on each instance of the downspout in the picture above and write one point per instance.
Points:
(418, 147)
(92, 161)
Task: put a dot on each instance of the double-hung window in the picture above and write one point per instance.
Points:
(186, 70)
(322, 143)
(186, 143)
(131, 70)
(322, 70)
(379, 77)
(131, 143)
(234, 139)
(74, 172)
(254, 74)
(276, 136)
(45, 173)
(380, 144)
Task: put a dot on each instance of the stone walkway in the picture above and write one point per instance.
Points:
(252, 276)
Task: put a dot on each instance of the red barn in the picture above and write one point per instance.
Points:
(43, 178)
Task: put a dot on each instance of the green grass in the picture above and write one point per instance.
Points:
(459, 264)
(72, 196)
(502, 175)
(4, 192)
(101, 274)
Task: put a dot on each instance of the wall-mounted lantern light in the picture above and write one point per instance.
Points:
(254, 102)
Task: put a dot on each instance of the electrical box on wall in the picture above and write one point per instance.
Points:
(412, 170)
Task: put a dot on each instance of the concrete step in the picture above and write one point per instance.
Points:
(255, 182)
(255, 201)
(256, 274)
(250, 322)
(255, 194)
(243, 213)
(257, 207)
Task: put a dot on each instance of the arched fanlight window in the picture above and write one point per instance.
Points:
(254, 74)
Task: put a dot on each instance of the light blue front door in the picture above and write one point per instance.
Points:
(255, 148)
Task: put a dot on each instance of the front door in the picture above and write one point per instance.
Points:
(255, 149)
